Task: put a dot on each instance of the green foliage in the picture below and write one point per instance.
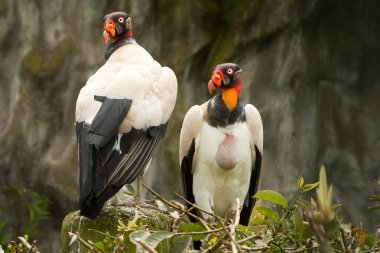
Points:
(375, 198)
(181, 244)
(193, 227)
(272, 196)
(23, 214)
(295, 225)
(22, 246)
(4, 237)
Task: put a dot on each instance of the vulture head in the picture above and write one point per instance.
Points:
(117, 25)
(225, 76)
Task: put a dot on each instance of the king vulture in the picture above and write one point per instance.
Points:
(221, 146)
(121, 115)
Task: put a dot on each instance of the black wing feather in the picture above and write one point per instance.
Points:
(107, 121)
(103, 170)
(85, 152)
(245, 213)
(187, 177)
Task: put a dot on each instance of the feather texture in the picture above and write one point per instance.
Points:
(211, 131)
(121, 114)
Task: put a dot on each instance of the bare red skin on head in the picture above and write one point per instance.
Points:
(237, 87)
(216, 80)
(109, 30)
(217, 77)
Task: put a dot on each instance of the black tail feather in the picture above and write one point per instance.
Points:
(105, 170)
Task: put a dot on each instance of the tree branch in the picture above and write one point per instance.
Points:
(86, 244)
(31, 248)
(145, 245)
(173, 205)
(199, 208)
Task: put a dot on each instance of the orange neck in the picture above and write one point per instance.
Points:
(230, 95)
(230, 98)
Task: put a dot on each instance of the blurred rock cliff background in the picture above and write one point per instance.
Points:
(310, 67)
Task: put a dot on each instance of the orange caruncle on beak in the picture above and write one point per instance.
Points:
(211, 87)
(109, 30)
(217, 77)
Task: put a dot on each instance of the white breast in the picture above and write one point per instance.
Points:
(222, 186)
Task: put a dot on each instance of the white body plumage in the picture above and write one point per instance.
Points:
(131, 73)
(216, 189)
(223, 158)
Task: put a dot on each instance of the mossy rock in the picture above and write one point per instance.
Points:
(42, 63)
(107, 222)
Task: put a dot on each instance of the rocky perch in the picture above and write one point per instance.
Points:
(147, 217)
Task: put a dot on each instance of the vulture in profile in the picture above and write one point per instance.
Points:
(121, 115)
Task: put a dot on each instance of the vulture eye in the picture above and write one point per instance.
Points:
(230, 71)
(121, 19)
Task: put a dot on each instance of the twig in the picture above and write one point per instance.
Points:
(371, 250)
(102, 233)
(342, 245)
(145, 205)
(254, 249)
(172, 205)
(184, 213)
(234, 246)
(32, 248)
(204, 223)
(218, 243)
(276, 244)
(201, 232)
(145, 245)
(137, 216)
(246, 248)
(199, 208)
(86, 244)
(221, 238)
(303, 250)
(248, 238)
(159, 196)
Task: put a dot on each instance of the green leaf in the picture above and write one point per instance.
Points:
(298, 222)
(372, 208)
(304, 203)
(155, 238)
(374, 198)
(272, 196)
(181, 244)
(300, 183)
(99, 245)
(142, 234)
(261, 222)
(370, 240)
(268, 212)
(309, 187)
(193, 227)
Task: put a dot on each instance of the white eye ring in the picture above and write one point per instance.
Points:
(230, 71)
(121, 19)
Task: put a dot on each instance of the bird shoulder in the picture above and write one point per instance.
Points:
(255, 125)
(191, 127)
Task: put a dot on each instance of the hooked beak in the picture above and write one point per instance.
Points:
(109, 30)
(216, 80)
